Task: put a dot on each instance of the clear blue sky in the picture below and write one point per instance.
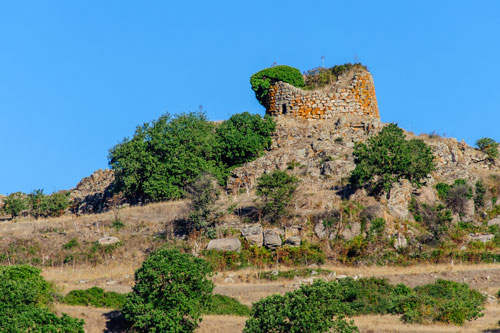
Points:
(76, 77)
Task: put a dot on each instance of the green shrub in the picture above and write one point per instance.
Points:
(243, 137)
(443, 301)
(203, 194)
(313, 308)
(488, 146)
(57, 203)
(24, 300)
(38, 204)
(96, 297)
(15, 203)
(276, 190)
(388, 157)
(442, 190)
(170, 289)
(70, 244)
(479, 195)
(262, 80)
(225, 305)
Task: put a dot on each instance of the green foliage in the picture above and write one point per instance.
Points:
(15, 204)
(243, 137)
(71, 244)
(456, 195)
(262, 80)
(203, 194)
(305, 254)
(166, 154)
(316, 307)
(24, 298)
(442, 190)
(163, 156)
(38, 203)
(171, 287)
(479, 194)
(225, 305)
(276, 190)
(488, 146)
(57, 203)
(388, 157)
(377, 227)
(292, 273)
(443, 301)
(96, 297)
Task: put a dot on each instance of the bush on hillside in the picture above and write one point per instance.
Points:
(321, 306)
(488, 146)
(262, 80)
(169, 153)
(243, 137)
(388, 157)
(14, 204)
(96, 297)
(24, 300)
(276, 190)
(203, 194)
(170, 289)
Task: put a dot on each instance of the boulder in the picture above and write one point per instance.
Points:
(293, 241)
(400, 242)
(108, 240)
(320, 230)
(482, 238)
(372, 212)
(272, 239)
(253, 234)
(495, 221)
(224, 244)
(351, 231)
(426, 195)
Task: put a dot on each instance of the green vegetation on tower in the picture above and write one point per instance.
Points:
(262, 80)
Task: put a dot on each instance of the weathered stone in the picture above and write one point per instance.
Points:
(351, 231)
(495, 221)
(400, 242)
(272, 239)
(224, 244)
(426, 195)
(321, 231)
(108, 240)
(399, 199)
(482, 238)
(253, 234)
(293, 241)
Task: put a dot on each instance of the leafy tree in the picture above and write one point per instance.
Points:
(37, 203)
(276, 190)
(488, 146)
(163, 156)
(170, 289)
(24, 300)
(388, 157)
(15, 204)
(243, 137)
(262, 80)
(57, 203)
(203, 194)
(479, 195)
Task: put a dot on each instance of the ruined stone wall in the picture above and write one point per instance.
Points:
(353, 94)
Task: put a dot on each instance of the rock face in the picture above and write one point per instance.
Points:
(482, 238)
(224, 244)
(400, 197)
(400, 242)
(351, 231)
(253, 234)
(293, 241)
(272, 239)
(91, 193)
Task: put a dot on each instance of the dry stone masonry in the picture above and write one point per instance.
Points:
(352, 95)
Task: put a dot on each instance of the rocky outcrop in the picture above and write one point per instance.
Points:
(91, 193)
(253, 234)
(272, 239)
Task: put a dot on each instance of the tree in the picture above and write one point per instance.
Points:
(489, 147)
(262, 80)
(203, 194)
(170, 289)
(15, 204)
(163, 156)
(243, 137)
(276, 190)
(388, 157)
(37, 203)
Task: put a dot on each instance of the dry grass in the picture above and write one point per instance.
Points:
(221, 324)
